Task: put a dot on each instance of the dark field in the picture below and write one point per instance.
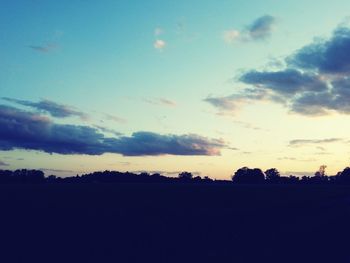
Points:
(174, 223)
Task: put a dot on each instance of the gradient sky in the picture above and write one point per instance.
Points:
(204, 86)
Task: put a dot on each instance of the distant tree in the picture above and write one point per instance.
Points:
(246, 175)
(293, 179)
(197, 178)
(144, 174)
(321, 171)
(344, 176)
(207, 179)
(185, 175)
(272, 175)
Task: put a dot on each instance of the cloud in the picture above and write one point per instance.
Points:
(248, 125)
(25, 130)
(287, 82)
(259, 29)
(3, 163)
(231, 36)
(160, 101)
(107, 130)
(314, 82)
(330, 56)
(114, 118)
(44, 48)
(303, 142)
(262, 27)
(50, 107)
(234, 102)
(159, 44)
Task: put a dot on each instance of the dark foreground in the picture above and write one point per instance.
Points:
(174, 223)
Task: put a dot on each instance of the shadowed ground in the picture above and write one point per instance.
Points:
(174, 223)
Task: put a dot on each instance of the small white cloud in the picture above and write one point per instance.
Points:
(231, 36)
(159, 44)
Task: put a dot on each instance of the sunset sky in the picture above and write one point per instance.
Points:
(169, 86)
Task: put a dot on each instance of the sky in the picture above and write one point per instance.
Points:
(169, 86)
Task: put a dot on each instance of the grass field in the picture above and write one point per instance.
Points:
(174, 223)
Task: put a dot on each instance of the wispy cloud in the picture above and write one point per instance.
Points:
(303, 142)
(158, 31)
(248, 125)
(296, 159)
(231, 36)
(233, 103)
(3, 164)
(44, 48)
(54, 109)
(160, 101)
(114, 118)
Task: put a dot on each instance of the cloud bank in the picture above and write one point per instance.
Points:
(26, 130)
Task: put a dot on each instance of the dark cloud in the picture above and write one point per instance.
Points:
(315, 81)
(320, 103)
(289, 81)
(303, 142)
(107, 130)
(262, 27)
(148, 143)
(328, 56)
(50, 107)
(26, 130)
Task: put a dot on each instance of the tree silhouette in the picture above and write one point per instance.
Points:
(246, 175)
(185, 176)
(344, 176)
(321, 171)
(272, 175)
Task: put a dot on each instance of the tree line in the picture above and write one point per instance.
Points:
(243, 175)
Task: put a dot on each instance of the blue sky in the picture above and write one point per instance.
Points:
(151, 66)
